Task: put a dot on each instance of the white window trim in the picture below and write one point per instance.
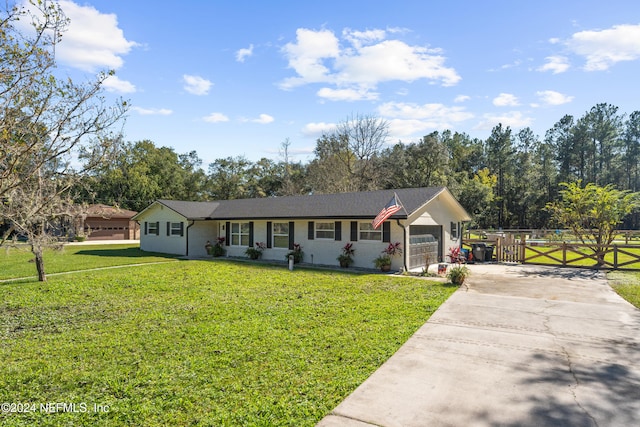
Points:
(360, 239)
(274, 235)
(325, 230)
(454, 230)
(175, 232)
(149, 228)
(239, 234)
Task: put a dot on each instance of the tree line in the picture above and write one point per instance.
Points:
(505, 180)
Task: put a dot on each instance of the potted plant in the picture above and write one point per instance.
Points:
(255, 253)
(458, 274)
(383, 262)
(346, 257)
(218, 249)
(297, 253)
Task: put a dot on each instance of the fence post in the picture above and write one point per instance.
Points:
(615, 256)
(564, 254)
(523, 248)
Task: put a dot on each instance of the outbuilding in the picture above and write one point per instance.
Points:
(427, 226)
(103, 222)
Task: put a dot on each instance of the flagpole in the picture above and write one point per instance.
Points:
(401, 204)
(404, 229)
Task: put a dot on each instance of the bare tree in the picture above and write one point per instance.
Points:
(53, 131)
(349, 153)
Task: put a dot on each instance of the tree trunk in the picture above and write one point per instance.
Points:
(42, 277)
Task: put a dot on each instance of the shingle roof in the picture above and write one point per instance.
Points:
(106, 211)
(191, 210)
(341, 205)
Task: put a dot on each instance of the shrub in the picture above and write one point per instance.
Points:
(297, 253)
(458, 274)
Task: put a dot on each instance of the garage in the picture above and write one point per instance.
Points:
(424, 245)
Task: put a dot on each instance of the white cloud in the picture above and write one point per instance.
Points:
(306, 56)
(358, 94)
(406, 119)
(505, 100)
(394, 60)
(555, 64)
(368, 60)
(604, 48)
(196, 85)
(461, 98)
(401, 128)
(114, 84)
(317, 129)
(244, 53)
(358, 38)
(513, 119)
(93, 39)
(551, 97)
(216, 118)
(263, 119)
(152, 111)
(514, 64)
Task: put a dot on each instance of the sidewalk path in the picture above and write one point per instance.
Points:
(519, 346)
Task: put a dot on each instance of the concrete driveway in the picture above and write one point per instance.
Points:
(519, 346)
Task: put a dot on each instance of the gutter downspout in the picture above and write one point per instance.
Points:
(406, 248)
(187, 236)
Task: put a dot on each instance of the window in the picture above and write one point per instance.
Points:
(454, 230)
(239, 234)
(176, 229)
(152, 228)
(366, 232)
(281, 235)
(325, 230)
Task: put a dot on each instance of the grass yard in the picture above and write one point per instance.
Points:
(626, 284)
(217, 343)
(14, 261)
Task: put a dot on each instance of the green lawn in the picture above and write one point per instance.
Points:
(217, 343)
(14, 261)
(626, 284)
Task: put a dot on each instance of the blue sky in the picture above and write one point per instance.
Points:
(231, 78)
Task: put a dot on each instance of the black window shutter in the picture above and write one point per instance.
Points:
(182, 229)
(145, 228)
(250, 234)
(168, 228)
(292, 235)
(338, 228)
(354, 231)
(227, 234)
(311, 231)
(269, 234)
(386, 231)
(157, 228)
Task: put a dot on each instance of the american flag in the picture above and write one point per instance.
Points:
(392, 207)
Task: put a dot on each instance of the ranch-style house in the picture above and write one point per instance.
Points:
(427, 227)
